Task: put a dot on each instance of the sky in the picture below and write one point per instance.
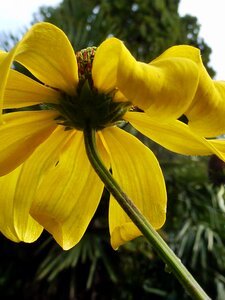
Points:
(16, 14)
(211, 17)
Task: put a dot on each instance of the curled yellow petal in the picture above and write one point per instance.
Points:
(206, 113)
(164, 88)
(105, 64)
(138, 172)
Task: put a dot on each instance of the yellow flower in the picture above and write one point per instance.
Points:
(47, 180)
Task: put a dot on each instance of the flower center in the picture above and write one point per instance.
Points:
(89, 106)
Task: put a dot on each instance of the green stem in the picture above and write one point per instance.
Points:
(160, 246)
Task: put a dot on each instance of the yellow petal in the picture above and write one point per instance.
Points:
(138, 173)
(165, 87)
(185, 51)
(44, 157)
(104, 72)
(208, 102)
(105, 64)
(119, 97)
(15, 220)
(206, 114)
(3, 55)
(21, 91)
(174, 136)
(2, 82)
(4, 69)
(20, 134)
(219, 145)
(47, 53)
(68, 195)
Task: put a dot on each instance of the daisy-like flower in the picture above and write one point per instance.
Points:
(46, 178)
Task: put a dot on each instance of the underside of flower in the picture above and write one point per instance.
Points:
(98, 110)
(89, 106)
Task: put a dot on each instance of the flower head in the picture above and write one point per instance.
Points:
(47, 179)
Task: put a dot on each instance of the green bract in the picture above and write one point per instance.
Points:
(88, 106)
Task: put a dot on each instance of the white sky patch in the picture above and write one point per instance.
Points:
(16, 14)
(210, 15)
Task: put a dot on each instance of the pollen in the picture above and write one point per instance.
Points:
(85, 59)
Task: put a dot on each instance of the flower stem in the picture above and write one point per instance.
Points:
(163, 250)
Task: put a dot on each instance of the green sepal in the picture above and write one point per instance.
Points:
(90, 107)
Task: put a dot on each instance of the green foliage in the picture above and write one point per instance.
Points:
(196, 223)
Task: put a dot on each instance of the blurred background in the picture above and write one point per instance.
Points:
(196, 209)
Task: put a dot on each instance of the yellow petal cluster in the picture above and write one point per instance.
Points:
(46, 178)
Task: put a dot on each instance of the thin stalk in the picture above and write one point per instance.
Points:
(163, 250)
